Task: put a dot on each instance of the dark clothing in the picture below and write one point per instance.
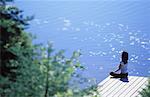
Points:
(121, 75)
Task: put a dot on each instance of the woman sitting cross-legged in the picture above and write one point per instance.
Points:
(122, 67)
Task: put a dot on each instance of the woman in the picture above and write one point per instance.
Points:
(123, 67)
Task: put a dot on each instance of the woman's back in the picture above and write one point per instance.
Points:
(124, 67)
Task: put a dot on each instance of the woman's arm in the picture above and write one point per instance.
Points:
(118, 68)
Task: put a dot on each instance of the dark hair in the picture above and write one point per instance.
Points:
(124, 57)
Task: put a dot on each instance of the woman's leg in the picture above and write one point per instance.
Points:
(121, 75)
(115, 75)
(124, 75)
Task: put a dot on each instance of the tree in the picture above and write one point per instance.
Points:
(17, 52)
(57, 72)
(29, 70)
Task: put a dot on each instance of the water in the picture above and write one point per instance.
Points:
(101, 30)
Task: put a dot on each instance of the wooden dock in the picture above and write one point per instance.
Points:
(113, 87)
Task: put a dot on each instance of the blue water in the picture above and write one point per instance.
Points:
(101, 30)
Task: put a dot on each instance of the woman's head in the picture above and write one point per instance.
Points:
(125, 57)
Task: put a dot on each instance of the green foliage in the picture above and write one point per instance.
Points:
(57, 72)
(29, 70)
(14, 42)
(146, 91)
(18, 73)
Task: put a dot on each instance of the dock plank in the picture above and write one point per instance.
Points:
(111, 90)
(104, 81)
(136, 88)
(136, 93)
(104, 86)
(120, 88)
(113, 87)
(128, 87)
